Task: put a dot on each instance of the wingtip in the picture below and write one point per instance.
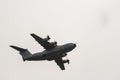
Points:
(11, 46)
(32, 34)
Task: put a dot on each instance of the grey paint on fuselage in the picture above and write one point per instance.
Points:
(53, 53)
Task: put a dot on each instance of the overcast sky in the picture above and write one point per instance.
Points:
(93, 24)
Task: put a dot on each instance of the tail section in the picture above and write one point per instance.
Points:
(23, 52)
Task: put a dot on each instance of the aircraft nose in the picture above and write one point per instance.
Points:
(74, 45)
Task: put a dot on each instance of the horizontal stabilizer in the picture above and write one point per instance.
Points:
(18, 48)
(23, 52)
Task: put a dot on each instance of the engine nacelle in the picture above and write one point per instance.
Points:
(66, 61)
(53, 44)
(47, 38)
(63, 55)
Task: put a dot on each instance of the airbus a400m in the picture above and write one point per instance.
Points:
(52, 51)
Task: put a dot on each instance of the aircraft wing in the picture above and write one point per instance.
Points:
(47, 45)
(60, 63)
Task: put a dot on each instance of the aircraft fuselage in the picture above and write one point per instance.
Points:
(52, 53)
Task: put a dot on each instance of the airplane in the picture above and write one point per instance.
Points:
(52, 51)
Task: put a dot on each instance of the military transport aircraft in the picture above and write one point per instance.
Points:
(52, 51)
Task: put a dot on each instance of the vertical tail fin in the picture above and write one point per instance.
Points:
(23, 52)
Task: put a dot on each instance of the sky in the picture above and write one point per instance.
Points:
(93, 24)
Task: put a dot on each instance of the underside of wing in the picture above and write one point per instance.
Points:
(60, 63)
(43, 42)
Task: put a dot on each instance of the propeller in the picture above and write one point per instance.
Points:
(48, 37)
(68, 61)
